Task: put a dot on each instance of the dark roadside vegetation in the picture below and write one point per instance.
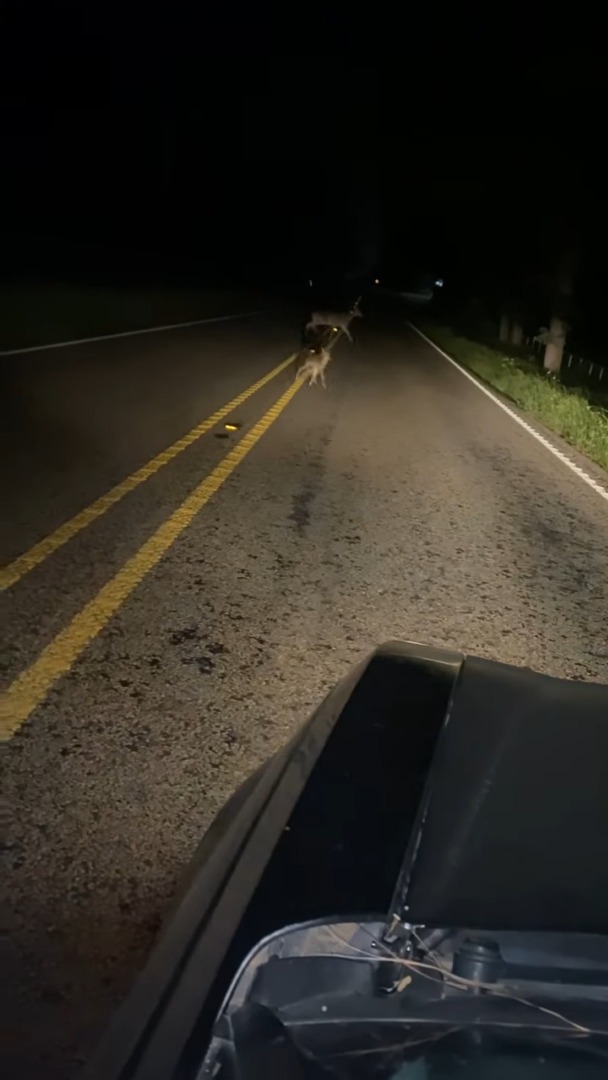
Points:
(573, 402)
(47, 310)
(38, 313)
(568, 411)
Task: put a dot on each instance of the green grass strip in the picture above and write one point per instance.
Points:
(565, 411)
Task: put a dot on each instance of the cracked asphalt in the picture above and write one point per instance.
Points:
(399, 503)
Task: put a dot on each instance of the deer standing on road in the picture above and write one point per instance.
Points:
(337, 320)
(314, 362)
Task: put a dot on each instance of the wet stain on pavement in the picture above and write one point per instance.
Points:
(192, 635)
(300, 513)
(204, 663)
(189, 633)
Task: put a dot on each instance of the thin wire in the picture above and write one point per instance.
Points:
(431, 952)
(579, 1029)
(406, 1045)
(457, 982)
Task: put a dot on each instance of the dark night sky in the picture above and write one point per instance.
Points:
(129, 149)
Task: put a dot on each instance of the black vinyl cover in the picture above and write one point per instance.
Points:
(322, 828)
(479, 789)
(513, 829)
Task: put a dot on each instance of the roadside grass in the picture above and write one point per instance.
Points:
(565, 411)
(43, 314)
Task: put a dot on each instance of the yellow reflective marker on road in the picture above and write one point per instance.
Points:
(21, 566)
(31, 687)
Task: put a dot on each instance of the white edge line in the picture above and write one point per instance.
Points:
(127, 333)
(522, 423)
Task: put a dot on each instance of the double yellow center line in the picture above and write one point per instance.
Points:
(31, 687)
(12, 573)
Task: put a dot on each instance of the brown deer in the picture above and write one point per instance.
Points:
(337, 320)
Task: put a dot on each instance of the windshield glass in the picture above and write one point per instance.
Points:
(347, 999)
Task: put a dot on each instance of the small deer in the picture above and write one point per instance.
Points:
(313, 366)
(337, 320)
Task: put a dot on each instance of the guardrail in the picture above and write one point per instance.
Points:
(575, 369)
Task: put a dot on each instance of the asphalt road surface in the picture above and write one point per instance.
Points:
(167, 653)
